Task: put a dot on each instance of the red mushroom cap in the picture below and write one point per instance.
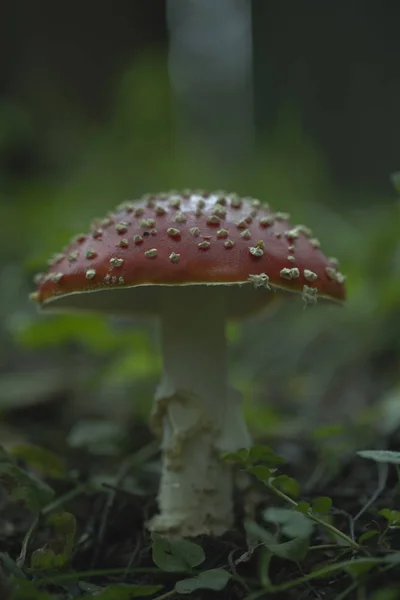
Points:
(190, 238)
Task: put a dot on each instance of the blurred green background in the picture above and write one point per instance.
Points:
(294, 103)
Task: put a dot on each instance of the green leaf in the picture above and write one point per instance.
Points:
(41, 459)
(255, 454)
(385, 456)
(262, 473)
(358, 569)
(214, 579)
(392, 516)
(322, 505)
(259, 533)
(288, 485)
(293, 524)
(124, 591)
(34, 493)
(265, 455)
(368, 535)
(303, 507)
(176, 555)
(59, 546)
(295, 549)
(239, 457)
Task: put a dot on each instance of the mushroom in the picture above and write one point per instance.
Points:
(194, 260)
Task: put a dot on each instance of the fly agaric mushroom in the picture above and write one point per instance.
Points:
(193, 259)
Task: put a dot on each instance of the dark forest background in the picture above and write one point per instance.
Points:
(296, 103)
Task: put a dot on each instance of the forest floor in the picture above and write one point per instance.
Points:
(73, 521)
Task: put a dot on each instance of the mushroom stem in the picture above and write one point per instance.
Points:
(198, 415)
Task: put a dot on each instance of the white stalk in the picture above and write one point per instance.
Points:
(198, 415)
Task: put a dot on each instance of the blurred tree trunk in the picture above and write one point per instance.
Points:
(210, 66)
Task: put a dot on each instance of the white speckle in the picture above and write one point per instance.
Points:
(116, 262)
(123, 243)
(229, 244)
(246, 235)
(114, 279)
(147, 223)
(122, 227)
(121, 280)
(310, 275)
(315, 243)
(81, 237)
(340, 278)
(278, 234)
(107, 278)
(256, 251)
(334, 261)
(195, 231)
(106, 222)
(304, 230)
(174, 257)
(175, 201)
(222, 233)
(289, 274)
(201, 203)
(96, 233)
(213, 220)
(139, 211)
(291, 234)
(90, 273)
(309, 295)
(291, 248)
(138, 239)
(291, 258)
(331, 272)
(172, 232)
(73, 256)
(180, 218)
(259, 281)
(219, 211)
(127, 206)
(90, 253)
(204, 245)
(160, 210)
(236, 202)
(152, 253)
(335, 275)
(150, 203)
(56, 258)
(241, 224)
(282, 216)
(56, 277)
(266, 221)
